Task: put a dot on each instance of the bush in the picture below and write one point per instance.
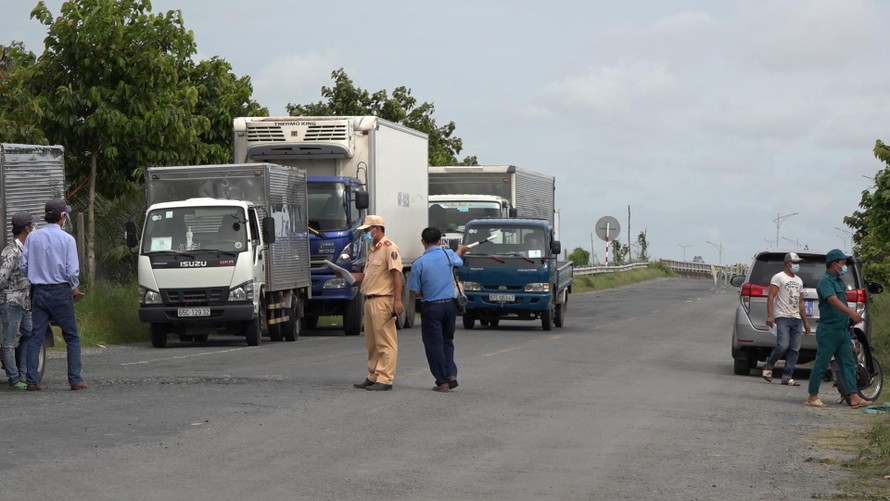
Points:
(108, 314)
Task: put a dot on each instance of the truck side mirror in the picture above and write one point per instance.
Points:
(362, 200)
(132, 241)
(269, 230)
(555, 247)
(513, 212)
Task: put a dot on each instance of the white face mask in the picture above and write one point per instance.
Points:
(795, 268)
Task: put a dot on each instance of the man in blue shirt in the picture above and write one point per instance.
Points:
(432, 280)
(49, 260)
(832, 335)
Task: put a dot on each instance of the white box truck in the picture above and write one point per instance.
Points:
(224, 249)
(29, 176)
(357, 165)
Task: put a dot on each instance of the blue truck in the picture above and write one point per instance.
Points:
(356, 165)
(513, 272)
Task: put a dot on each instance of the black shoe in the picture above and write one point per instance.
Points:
(379, 387)
(364, 384)
(452, 383)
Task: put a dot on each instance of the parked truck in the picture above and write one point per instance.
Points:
(29, 176)
(224, 249)
(356, 165)
(513, 272)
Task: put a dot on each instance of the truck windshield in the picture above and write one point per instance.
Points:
(328, 207)
(452, 217)
(185, 229)
(520, 241)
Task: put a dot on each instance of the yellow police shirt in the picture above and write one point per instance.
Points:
(383, 257)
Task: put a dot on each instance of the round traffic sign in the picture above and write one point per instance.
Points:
(607, 226)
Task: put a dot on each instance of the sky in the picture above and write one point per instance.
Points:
(710, 120)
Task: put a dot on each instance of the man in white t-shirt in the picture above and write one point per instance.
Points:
(785, 309)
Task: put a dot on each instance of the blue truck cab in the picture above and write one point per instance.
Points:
(514, 273)
(337, 206)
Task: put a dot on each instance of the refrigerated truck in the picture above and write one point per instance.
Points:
(29, 176)
(224, 249)
(531, 193)
(357, 165)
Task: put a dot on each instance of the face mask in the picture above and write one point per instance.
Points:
(795, 268)
(367, 237)
(843, 270)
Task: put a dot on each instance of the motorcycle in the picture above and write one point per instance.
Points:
(867, 372)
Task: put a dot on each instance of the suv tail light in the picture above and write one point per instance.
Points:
(858, 296)
(750, 290)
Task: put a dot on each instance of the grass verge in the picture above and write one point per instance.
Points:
(602, 281)
(108, 314)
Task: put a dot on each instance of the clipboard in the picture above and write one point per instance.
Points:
(339, 270)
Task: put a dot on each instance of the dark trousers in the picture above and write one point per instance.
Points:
(437, 327)
(53, 304)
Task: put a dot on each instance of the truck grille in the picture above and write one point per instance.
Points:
(195, 297)
(317, 262)
(263, 133)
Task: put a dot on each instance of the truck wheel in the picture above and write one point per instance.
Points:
(41, 358)
(309, 322)
(547, 320)
(352, 317)
(560, 317)
(254, 328)
(291, 329)
(275, 331)
(158, 335)
(494, 323)
(469, 320)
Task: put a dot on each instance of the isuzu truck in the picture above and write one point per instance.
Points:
(357, 165)
(224, 249)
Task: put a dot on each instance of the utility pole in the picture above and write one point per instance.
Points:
(684, 247)
(719, 252)
(849, 236)
(778, 220)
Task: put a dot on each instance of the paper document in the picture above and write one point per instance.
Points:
(341, 272)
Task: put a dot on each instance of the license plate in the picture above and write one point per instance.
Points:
(809, 306)
(502, 298)
(193, 312)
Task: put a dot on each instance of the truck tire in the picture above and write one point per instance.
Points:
(560, 316)
(158, 335)
(309, 321)
(291, 329)
(275, 332)
(547, 320)
(469, 319)
(352, 316)
(254, 329)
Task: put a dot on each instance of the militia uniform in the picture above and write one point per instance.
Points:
(378, 289)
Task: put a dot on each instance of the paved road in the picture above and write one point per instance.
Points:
(633, 399)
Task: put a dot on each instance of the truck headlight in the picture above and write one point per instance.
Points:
(537, 287)
(472, 286)
(243, 292)
(148, 296)
(335, 283)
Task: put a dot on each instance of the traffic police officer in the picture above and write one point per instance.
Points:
(382, 288)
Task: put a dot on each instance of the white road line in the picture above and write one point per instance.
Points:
(178, 357)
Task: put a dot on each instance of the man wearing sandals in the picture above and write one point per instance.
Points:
(833, 336)
(785, 310)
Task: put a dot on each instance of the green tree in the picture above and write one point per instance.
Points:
(644, 246)
(20, 110)
(345, 99)
(222, 96)
(620, 252)
(579, 257)
(872, 223)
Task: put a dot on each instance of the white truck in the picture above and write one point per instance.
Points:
(461, 193)
(29, 176)
(357, 165)
(224, 248)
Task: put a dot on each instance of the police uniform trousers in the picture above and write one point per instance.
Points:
(380, 336)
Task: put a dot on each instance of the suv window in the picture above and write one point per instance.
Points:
(812, 268)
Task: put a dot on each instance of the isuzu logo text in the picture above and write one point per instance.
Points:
(192, 264)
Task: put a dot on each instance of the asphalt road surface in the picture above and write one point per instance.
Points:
(633, 399)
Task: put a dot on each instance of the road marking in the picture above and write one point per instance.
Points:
(501, 352)
(179, 357)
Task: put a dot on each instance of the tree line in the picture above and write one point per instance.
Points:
(119, 88)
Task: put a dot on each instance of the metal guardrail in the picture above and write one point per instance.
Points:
(593, 270)
(718, 273)
(683, 267)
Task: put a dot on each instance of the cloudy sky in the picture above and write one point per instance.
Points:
(709, 119)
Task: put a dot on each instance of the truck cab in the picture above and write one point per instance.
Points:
(513, 273)
(451, 213)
